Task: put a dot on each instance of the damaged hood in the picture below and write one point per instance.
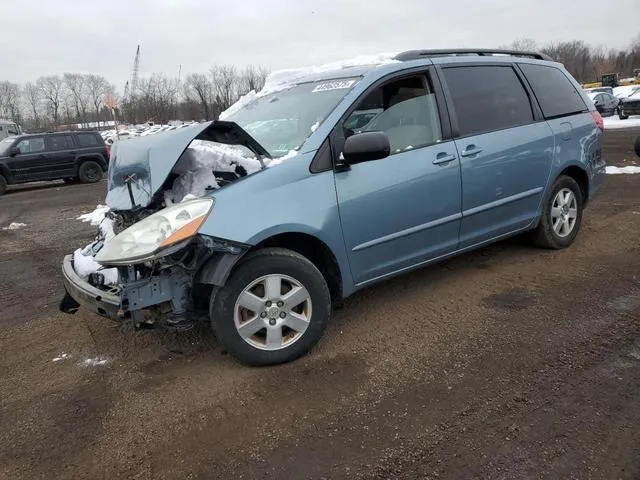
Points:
(144, 163)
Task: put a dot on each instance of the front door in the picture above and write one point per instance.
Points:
(27, 164)
(403, 210)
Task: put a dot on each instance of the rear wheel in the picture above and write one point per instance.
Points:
(273, 309)
(561, 215)
(90, 172)
(3, 185)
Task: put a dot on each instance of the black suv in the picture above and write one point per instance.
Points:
(53, 156)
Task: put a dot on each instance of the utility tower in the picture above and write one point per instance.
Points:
(134, 74)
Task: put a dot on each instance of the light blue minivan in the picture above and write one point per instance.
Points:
(363, 173)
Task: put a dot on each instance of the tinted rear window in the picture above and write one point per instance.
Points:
(487, 98)
(555, 92)
(87, 140)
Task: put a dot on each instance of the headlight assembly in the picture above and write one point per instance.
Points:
(154, 236)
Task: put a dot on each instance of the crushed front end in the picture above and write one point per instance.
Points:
(169, 293)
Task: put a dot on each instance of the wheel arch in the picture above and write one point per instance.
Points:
(582, 179)
(316, 251)
(92, 158)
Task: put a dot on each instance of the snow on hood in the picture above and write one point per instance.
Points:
(144, 163)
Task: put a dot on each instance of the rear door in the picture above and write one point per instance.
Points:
(27, 165)
(505, 149)
(61, 153)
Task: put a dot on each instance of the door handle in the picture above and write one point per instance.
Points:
(470, 150)
(443, 158)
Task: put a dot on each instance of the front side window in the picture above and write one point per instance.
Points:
(487, 98)
(282, 121)
(405, 109)
(31, 145)
(555, 92)
(12, 130)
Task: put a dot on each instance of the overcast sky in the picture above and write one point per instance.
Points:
(40, 37)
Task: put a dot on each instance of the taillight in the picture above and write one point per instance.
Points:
(598, 119)
(108, 152)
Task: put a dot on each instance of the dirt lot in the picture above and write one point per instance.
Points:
(511, 362)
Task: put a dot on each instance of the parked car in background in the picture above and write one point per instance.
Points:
(605, 103)
(608, 90)
(468, 147)
(629, 105)
(52, 156)
(9, 129)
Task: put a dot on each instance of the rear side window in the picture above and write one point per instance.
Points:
(487, 98)
(87, 140)
(58, 142)
(555, 92)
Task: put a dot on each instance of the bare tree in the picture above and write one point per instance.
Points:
(33, 98)
(225, 85)
(76, 84)
(197, 86)
(98, 88)
(252, 78)
(51, 88)
(10, 100)
(157, 98)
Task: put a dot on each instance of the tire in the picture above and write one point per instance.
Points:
(555, 214)
(260, 343)
(90, 172)
(3, 185)
(621, 114)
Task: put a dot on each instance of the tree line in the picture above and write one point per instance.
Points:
(73, 98)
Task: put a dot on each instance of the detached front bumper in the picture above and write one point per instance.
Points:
(83, 294)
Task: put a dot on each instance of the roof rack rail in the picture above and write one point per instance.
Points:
(418, 54)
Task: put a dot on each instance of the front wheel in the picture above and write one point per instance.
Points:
(561, 215)
(273, 309)
(3, 185)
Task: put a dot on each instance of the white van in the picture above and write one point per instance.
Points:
(9, 129)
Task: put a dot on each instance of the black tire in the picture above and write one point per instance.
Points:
(270, 261)
(621, 114)
(3, 185)
(545, 236)
(90, 172)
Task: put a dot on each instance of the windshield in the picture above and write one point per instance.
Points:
(282, 121)
(5, 144)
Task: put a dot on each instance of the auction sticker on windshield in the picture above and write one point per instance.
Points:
(333, 85)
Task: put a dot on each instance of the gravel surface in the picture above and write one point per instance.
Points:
(510, 362)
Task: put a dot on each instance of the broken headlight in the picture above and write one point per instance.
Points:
(158, 235)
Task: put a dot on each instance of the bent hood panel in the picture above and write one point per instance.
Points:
(148, 161)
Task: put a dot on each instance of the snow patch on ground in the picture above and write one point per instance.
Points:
(61, 357)
(14, 226)
(615, 123)
(611, 170)
(95, 362)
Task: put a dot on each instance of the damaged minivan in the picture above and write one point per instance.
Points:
(330, 180)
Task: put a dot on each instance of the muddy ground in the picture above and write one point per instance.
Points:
(510, 362)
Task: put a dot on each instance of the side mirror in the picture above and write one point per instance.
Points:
(637, 146)
(366, 146)
(13, 151)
